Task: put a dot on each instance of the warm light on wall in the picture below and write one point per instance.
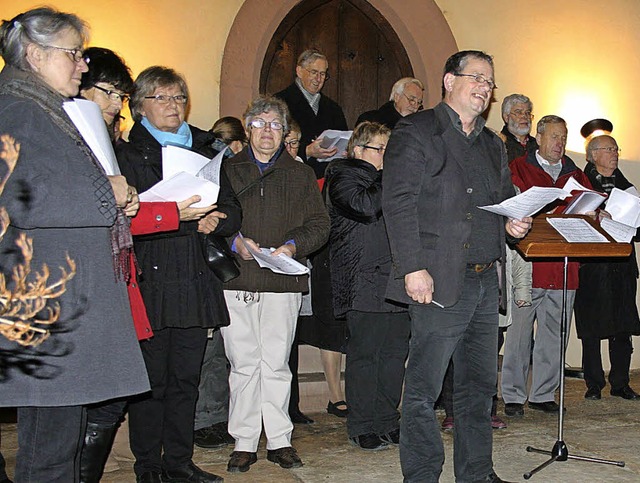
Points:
(578, 106)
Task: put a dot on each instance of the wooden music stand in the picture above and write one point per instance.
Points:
(543, 241)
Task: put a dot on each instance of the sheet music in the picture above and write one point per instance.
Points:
(619, 231)
(182, 186)
(624, 207)
(87, 117)
(281, 264)
(527, 203)
(332, 138)
(577, 230)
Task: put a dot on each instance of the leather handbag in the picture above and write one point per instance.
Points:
(219, 257)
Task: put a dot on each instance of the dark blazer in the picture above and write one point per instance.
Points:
(178, 288)
(426, 200)
(387, 115)
(330, 116)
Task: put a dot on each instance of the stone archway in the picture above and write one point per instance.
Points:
(419, 24)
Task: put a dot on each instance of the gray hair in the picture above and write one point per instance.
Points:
(594, 144)
(148, 81)
(264, 104)
(309, 56)
(400, 85)
(509, 101)
(550, 119)
(39, 26)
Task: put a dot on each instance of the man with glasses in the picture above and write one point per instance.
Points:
(517, 113)
(406, 98)
(311, 109)
(440, 165)
(546, 167)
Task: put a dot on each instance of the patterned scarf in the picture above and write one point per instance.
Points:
(26, 85)
(312, 99)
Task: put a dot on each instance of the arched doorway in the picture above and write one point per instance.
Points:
(419, 25)
(365, 54)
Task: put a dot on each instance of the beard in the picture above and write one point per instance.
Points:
(516, 130)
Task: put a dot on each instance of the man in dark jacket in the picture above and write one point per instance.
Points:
(440, 165)
(517, 115)
(312, 110)
(406, 98)
(547, 167)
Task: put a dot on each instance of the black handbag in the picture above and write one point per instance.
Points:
(219, 257)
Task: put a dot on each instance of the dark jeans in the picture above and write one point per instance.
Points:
(107, 413)
(620, 350)
(468, 333)
(213, 392)
(49, 444)
(376, 353)
(161, 424)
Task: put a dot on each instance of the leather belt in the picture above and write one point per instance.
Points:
(480, 267)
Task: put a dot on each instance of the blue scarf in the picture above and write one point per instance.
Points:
(182, 138)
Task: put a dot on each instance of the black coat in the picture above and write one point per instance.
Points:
(516, 150)
(178, 288)
(330, 116)
(360, 253)
(605, 303)
(387, 115)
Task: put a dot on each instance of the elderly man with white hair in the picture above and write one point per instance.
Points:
(406, 98)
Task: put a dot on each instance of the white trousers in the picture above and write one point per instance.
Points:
(257, 343)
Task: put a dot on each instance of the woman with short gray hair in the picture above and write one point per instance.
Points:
(60, 195)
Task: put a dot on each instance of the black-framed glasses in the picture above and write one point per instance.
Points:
(480, 79)
(609, 149)
(378, 149)
(261, 123)
(76, 54)
(113, 95)
(323, 74)
(163, 99)
(294, 143)
(414, 101)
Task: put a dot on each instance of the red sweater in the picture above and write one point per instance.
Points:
(527, 172)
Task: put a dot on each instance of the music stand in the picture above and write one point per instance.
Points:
(543, 241)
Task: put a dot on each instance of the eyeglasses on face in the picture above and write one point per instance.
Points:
(261, 123)
(378, 149)
(294, 143)
(164, 99)
(609, 149)
(75, 54)
(480, 79)
(521, 113)
(323, 74)
(113, 95)
(414, 101)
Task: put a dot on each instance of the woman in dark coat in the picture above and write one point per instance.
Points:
(182, 296)
(605, 305)
(360, 267)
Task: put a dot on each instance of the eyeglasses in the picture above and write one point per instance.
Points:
(113, 95)
(323, 74)
(76, 54)
(379, 150)
(521, 113)
(414, 101)
(163, 99)
(480, 79)
(609, 149)
(261, 123)
(294, 143)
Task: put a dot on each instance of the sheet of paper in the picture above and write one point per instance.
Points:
(527, 203)
(624, 207)
(573, 185)
(338, 139)
(211, 170)
(584, 202)
(280, 264)
(182, 186)
(176, 159)
(87, 117)
(619, 231)
(577, 230)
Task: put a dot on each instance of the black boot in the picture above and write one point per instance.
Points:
(97, 444)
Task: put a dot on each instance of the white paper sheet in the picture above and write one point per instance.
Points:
(577, 230)
(619, 231)
(332, 138)
(624, 207)
(281, 264)
(527, 203)
(87, 117)
(182, 186)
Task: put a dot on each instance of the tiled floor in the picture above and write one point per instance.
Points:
(609, 428)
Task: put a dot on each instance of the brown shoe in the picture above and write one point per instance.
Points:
(240, 461)
(285, 457)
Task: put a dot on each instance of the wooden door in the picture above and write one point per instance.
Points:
(365, 54)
